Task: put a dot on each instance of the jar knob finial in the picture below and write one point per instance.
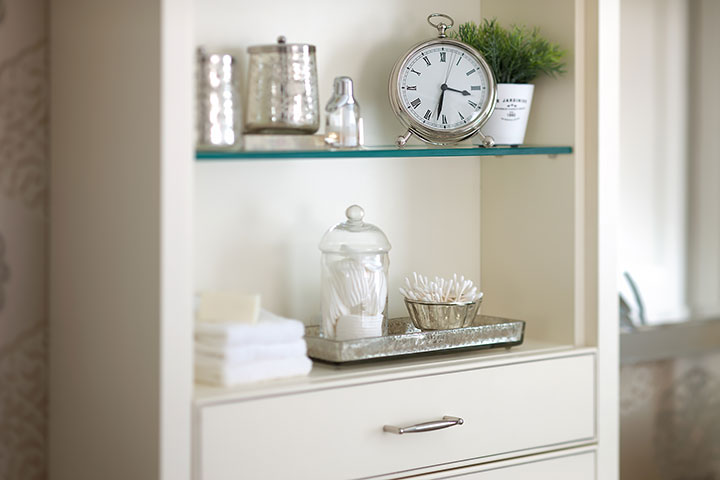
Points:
(354, 213)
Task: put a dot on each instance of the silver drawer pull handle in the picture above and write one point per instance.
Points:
(446, 422)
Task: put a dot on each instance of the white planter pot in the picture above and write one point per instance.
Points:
(509, 120)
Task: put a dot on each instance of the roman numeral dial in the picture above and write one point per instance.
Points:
(443, 87)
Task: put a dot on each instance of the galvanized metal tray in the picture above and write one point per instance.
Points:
(404, 339)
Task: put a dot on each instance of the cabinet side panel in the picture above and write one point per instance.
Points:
(527, 243)
(552, 118)
(604, 171)
(528, 204)
(177, 177)
(105, 224)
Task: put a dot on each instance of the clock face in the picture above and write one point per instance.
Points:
(443, 87)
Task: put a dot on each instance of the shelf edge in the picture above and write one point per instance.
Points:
(380, 153)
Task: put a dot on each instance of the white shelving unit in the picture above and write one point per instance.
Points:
(138, 225)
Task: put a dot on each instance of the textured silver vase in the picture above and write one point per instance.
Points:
(218, 101)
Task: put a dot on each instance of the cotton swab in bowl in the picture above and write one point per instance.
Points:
(440, 290)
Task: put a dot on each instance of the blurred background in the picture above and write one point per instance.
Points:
(669, 240)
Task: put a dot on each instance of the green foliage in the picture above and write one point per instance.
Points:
(517, 54)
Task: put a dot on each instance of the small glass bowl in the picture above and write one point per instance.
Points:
(441, 316)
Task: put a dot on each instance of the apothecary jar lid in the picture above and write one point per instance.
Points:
(354, 235)
(282, 47)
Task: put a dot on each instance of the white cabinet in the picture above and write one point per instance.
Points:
(137, 226)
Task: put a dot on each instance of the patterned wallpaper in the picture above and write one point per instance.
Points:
(670, 419)
(23, 218)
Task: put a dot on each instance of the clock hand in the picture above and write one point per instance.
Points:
(440, 104)
(464, 92)
(447, 73)
(444, 85)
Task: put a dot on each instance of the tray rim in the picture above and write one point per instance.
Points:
(430, 350)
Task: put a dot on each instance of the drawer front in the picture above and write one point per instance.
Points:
(338, 433)
(572, 467)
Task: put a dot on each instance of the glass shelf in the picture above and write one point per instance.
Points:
(379, 152)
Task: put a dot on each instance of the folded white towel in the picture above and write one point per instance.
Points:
(237, 354)
(222, 374)
(270, 329)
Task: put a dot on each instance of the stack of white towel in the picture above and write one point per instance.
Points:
(231, 353)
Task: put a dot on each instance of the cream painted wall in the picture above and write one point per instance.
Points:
(259, 224)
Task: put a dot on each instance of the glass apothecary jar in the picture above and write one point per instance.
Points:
(282, 89)
(355, 264)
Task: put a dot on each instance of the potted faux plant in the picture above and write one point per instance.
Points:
(517, 56)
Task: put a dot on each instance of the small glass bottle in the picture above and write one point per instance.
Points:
(343, 124)
(355, 265)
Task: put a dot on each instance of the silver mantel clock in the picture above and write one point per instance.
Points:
(442, 90)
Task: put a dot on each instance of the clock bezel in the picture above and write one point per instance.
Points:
(450, 135)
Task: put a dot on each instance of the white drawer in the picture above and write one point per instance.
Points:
(338, 433)
(575, 466)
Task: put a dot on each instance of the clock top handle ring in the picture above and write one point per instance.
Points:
(441, 26)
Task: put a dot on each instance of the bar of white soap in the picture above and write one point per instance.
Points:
(228, 307)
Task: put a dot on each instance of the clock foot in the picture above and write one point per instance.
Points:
(402, 139)
(486, 140)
